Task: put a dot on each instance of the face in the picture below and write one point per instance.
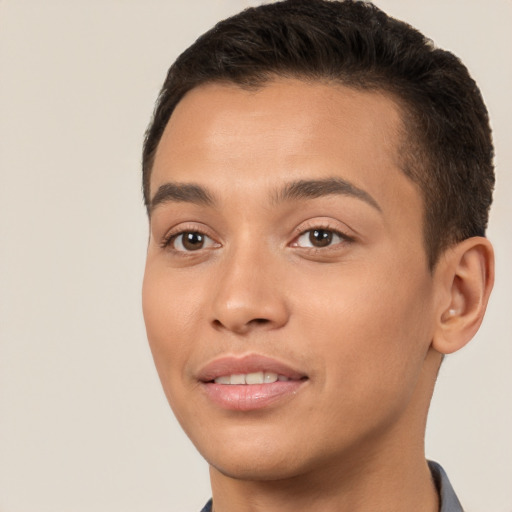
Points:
(287, 296)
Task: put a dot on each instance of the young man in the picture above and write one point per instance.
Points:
(317, 177)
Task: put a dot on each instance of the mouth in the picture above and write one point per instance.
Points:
(261, 377)
(249, 382)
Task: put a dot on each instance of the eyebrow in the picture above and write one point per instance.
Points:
(181, 193)
(296, 190)
(312, 189)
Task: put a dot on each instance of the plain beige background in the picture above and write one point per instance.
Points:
(83, 423)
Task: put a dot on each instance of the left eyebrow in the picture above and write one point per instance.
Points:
(312, 189)
(181, 193)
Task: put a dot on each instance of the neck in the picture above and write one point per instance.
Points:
(393, 486)
(389, 474)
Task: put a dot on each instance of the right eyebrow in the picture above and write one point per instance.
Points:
(181, 193)
(311, 189)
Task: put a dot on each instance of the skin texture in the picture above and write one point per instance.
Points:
(363, 317)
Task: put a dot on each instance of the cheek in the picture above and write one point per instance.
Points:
(375, 329)
(168, 307)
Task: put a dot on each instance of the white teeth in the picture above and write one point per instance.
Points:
(255, 378)
(251, 378)
(238, 379)
(270, 377)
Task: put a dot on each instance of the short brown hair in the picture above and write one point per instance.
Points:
(448, 149)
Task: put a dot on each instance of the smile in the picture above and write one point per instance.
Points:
(251, 378)
(250, 382)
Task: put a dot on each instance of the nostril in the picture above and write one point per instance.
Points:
(242, 326)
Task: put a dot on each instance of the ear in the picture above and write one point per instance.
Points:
(465, 275)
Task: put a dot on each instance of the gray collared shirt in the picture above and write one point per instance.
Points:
(447, 498)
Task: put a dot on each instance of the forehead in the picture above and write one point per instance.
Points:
(285, 130)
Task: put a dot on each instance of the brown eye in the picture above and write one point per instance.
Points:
(191, 241)
(320, 237)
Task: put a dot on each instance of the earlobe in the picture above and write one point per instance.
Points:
(466, 279)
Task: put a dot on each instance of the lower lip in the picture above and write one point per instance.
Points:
(249, 397)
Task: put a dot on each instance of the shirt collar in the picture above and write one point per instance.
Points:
(448, 501)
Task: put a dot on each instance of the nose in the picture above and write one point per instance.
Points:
(250, 295)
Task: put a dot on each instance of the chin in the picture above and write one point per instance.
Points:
(266, 459)
(259, 458)
(256, 470)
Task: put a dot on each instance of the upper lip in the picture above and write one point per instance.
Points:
(250, 363)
